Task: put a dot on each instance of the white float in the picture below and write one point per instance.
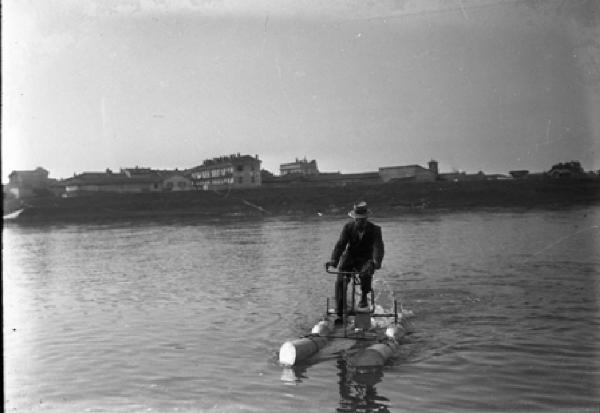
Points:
(294, 351)
(378, 354)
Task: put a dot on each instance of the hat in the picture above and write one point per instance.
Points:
(360, 210)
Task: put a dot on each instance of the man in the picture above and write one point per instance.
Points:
(359, 248)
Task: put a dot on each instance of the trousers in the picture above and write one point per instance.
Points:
(354, 264)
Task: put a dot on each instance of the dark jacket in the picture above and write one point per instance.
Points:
(369, 247)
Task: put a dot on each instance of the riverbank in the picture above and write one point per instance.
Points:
(384, 199)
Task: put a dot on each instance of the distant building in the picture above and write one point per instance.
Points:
(90, 182)
(463, 176)
(128, 180)
(521, 173)
(352, 178)
(300, 166)
(322, 179)
(177, 182)
(233, 171)
(452, 176)
(137, 171)
(413, 173)
(433, 167)
(266, 175)
(24, 184)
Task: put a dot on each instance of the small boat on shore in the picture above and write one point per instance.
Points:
(13, 215)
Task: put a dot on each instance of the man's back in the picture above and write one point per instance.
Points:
(367, 244)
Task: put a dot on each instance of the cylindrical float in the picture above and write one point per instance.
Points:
(378, 354)
(395, 332)
(321, 328)
(375, 355)
(294, 351)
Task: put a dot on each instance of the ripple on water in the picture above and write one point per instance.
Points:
(189, 316)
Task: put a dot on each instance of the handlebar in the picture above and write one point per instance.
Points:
(341, 272)
(355, 272)
(349, 275)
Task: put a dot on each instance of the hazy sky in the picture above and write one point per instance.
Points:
(490, 85)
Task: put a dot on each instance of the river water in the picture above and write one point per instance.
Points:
(188, 316)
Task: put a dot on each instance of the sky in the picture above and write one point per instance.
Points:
(478, 85)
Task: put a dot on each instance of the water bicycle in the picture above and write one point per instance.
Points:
(381, 330)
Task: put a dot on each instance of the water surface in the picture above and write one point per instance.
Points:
(186, 316)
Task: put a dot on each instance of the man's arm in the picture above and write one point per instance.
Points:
(340, 246)
(378, 249)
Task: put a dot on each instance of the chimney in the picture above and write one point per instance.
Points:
(433, 166)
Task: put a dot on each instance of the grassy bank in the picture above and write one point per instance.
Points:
(385, 199)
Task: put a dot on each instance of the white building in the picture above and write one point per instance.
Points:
(235, 171)
(300, 166)
(415, 173)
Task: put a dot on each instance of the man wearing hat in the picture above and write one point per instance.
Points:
(359, 248)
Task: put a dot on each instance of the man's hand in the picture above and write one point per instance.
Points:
(330, 264)
(370, 267)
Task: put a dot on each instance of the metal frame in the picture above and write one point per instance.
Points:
(355, 280)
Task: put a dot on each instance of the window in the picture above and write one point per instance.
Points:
(240, 168)
(240, 180)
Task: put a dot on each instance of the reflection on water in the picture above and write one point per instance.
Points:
(358, 391)
(357, 388)
(187, 316)
(293, 374)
